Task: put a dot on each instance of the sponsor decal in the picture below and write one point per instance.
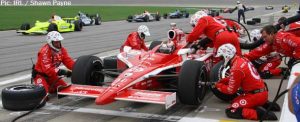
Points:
(243, 102)
(39, 81)
(235, 105)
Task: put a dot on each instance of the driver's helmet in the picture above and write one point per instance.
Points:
(255, 34)
(54, 37)
(143, 31)
(198, 15)
(167, 47)
(227, 51)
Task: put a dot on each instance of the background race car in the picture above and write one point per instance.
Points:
(177, 14)
(269, 8)
(58, 24)
(86, 19)
(144, 17)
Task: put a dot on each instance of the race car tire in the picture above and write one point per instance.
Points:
(52, 27)
(190, 91)
(187, 15)
(129, 18)
(154, 44)
(215, 76)
(157, 17)
(110, 62)
(78, 25)
(97, 21)
(146, 19)
(87, 71)
(165, 16)
(256, 20)
(25, 26)
(251, 22)
(253, 45)
(23, 97)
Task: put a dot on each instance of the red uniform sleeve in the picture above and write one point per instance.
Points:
(197, 31)
(259, 51)
(132, 39)
(66, 59)
(45, 59)
(234, 83)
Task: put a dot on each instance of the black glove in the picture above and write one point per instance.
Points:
(265, 74)
(64, 72)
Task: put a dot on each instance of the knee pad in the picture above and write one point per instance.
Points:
(262, 114)
(236, 114)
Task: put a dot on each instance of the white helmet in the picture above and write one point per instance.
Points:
(52, 37)
(228, 51)
(255, 34)
(143, 30)
(238, 2)
(197, 16)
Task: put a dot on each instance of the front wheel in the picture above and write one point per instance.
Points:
(192, 76)
(218, 72)
(87, 71)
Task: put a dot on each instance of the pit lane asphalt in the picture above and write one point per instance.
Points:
(16, 50)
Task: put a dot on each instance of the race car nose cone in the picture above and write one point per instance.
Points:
(106, 98)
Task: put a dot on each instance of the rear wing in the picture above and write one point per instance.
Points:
(168, 99)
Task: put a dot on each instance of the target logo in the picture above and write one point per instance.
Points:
(243, 102)
(235, 105)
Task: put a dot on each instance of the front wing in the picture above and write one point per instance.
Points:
(145, 96)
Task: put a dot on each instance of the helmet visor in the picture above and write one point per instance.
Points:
(56, 44)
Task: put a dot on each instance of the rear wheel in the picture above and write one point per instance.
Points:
(217, 73)
(25, 26)
(187, 15)
(87, 71)
(23, 97)
(165, 16)
(191, 76)
(130, 18)
(146, 19)
(78, 25)
(157, 17)
(52, 27)
(97, 21)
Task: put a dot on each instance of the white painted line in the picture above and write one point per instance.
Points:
(24, 77)
(112, 112)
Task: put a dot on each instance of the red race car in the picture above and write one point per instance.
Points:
(156, 76)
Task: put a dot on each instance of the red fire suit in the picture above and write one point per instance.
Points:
(216, 31)
(135, 42)
(269, 64)
(285, 43)
(244, 75)
(47, 67)
(294, 28)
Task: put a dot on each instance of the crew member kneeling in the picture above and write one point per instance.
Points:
(243, 75)
(46, 72)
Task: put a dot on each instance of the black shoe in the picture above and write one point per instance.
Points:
(263, 115)
(275, 106)
(236, 114)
